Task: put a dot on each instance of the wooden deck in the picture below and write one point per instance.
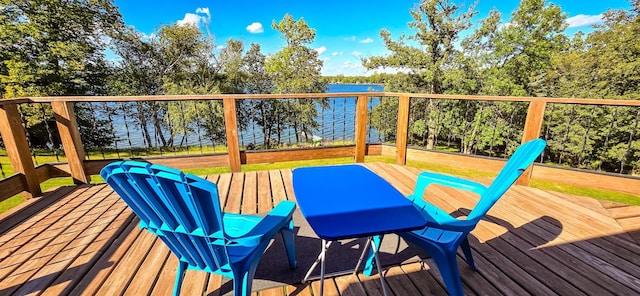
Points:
(84, 241)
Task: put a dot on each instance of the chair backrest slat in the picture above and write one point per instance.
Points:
(182, 209)
(521, 159)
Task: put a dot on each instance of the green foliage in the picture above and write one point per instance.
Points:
(57, 48)
(296, 69)
(437, 25)
(53, 48)
(268, 114)
(600, 65)
(177, 60)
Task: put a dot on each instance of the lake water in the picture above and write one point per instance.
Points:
(337, 123)
(346, 88)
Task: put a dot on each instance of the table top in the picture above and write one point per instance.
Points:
(348, 201)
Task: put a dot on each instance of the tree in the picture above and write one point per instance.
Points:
(231, 63)
(259, 81)
(53, 48)
(296, 69)
(516, 52)
(437, 25)
(190, 66)
(506, 59)
(177, 59)
(602, 65)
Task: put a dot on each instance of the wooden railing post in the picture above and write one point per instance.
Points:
(402, 130)
(15, 142)
(231, 127)
(71, 141)
(532, 126)
(361, 127)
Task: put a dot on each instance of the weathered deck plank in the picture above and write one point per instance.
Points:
(86, 242)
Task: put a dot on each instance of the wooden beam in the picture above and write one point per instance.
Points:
(533, 123)
(181, 162)
(71, 141)
(361, 127)
(532, 126)
(254, 157)
(15, 142)
(231, 126)
(402, 130)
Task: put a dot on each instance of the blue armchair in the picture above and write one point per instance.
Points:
(184, 212)
(444, 233)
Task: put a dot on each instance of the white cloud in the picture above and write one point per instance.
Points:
(325, 59)
(255, 28)
(352, 38)
(337, 53)
(321, 50)
(189, 19)
(356, 53)
(368, 40)
(350, 65)
(583, 20)
(202, 16)
(146, 37)
(204, 10)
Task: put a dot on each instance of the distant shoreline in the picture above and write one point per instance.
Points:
(356, 83)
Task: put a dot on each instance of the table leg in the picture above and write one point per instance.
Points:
(324, 252)
(374, 248)
(321, 256)
(364, 251)
(368, 265)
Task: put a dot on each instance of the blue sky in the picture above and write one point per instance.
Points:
(345, 30)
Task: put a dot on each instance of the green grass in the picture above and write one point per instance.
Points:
(10, 203)
(599, 194)
(545, 185)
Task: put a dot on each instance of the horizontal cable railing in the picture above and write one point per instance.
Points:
(81, 134)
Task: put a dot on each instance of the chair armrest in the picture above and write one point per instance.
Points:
(434, 215)
(448, 223)
(278, 218)
(426, 178)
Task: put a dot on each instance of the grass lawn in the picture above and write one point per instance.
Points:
(545, 185)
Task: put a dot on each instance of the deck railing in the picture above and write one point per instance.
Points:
(29, 174)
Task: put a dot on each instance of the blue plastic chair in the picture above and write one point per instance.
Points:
(444, 234)
(184, 211)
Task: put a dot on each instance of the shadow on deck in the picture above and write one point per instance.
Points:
(84, 240)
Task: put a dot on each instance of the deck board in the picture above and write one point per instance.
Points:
(85, 241)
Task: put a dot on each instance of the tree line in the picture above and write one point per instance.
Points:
(56, 48)
(528, 55)
(52, 48)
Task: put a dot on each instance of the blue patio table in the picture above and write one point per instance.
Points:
(350, 201)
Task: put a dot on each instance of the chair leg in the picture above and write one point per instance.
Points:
(368, 265)
(182, 267)
(289, 244)
(467, 253)
(448, 267)
(243, 280)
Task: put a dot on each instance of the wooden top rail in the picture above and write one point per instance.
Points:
(581, 101)
(14, 138)
(197, 97)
